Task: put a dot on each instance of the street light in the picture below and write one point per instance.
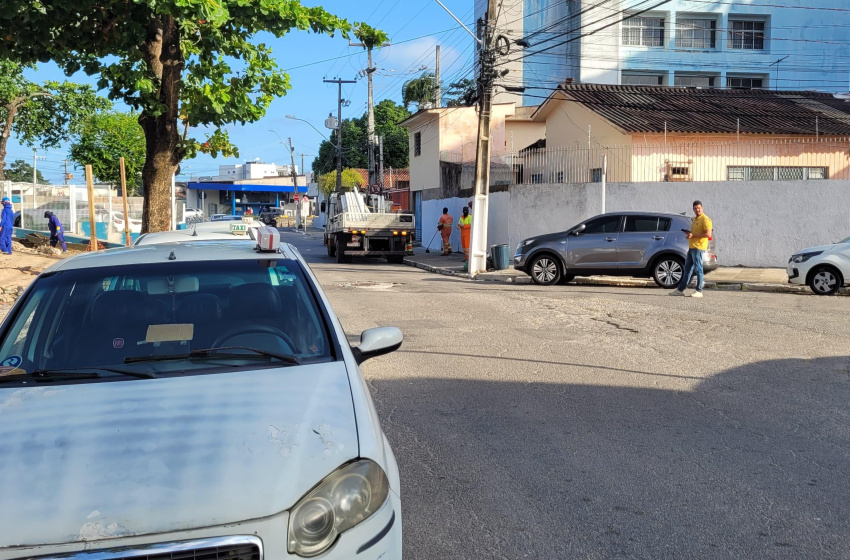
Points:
(294, 118)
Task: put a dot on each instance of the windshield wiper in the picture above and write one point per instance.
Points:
(217, 353)
(45, 375)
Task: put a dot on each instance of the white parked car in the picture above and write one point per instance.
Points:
(118, 223)
(193, 214)
(190, 400)
(824, 269)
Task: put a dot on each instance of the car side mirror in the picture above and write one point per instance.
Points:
(377, 342)
(579, 229)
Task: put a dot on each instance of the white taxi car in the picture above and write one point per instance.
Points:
(824, 269)
(190, 400)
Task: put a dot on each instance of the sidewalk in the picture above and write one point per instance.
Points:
(724, 278)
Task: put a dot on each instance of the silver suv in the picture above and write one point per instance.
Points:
(641, 244)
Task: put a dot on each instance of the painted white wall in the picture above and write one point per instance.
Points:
(756, 224)
(497, 230)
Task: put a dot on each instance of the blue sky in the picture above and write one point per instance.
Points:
(415, 25)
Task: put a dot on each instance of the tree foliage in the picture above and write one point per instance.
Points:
(44, 114)
(355, 142)
(185, 65)
(21, 172)
(104, 138)
(350, 179)
(421, 90)
(463, 93)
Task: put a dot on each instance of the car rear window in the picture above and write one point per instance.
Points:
(639, 224)
(101, 317)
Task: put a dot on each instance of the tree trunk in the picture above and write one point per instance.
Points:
(165, 61)
(11, 110)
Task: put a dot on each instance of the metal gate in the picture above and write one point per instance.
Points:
(417, 216)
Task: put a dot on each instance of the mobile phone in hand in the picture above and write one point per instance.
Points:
(686, 231)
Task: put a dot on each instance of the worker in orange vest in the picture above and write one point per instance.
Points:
(465, 227)
(445, 227)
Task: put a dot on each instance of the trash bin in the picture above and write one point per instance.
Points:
(500, 256)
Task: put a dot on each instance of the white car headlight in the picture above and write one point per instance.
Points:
(523, 244)
(803, 257)
(345, 498)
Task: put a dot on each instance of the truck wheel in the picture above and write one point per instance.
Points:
(395, 259)
(340, 255)
(331, 247)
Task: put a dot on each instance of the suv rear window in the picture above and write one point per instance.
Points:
(100, 317)
(643, 224)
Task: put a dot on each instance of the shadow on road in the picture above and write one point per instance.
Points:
(753, 463)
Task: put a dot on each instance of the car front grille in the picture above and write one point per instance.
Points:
(220, 548)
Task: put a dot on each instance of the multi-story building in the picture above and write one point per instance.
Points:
(776, 44)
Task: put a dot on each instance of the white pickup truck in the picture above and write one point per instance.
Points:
(355, 229)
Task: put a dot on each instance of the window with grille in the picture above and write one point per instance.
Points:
(744, 83)
(417, 144)
(747, 35)
(694, 81)
(643, 32)
(635, 79)
(596, 175)
(769, 173)
(696, 33)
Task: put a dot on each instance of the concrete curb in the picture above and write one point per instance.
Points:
(617, 281)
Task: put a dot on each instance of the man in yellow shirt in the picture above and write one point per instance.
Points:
(701, 231)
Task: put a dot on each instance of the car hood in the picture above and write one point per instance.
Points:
(545, 238)
(100, 460)
(821, 248)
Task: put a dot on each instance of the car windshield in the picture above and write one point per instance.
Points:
(149, 318)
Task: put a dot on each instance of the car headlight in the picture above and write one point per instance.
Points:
(803, 257)
(345, 498)
(524, 244)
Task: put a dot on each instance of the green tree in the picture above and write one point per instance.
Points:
(421, 90)
(355, 142)
(350, 179)
(43, 114)
(463, 93)
(181, 63)
(21, 172)
(105, 137)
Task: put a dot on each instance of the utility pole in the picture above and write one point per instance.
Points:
(65, 161)
(381, 172)
(339, 82)
(438, 102)
(371, 111)
(295, 185)
(486, 77)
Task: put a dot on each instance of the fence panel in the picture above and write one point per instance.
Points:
(70, 204)
(773, 159)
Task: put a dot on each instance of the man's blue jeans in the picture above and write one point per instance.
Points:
(693, 265)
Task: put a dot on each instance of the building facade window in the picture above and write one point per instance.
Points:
(417, 144)
(695, 81)
(769, 173)
(696, 33)
(746, 35)
(744, 82)
(641, 79)
(643, 32)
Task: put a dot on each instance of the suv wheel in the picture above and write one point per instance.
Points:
(668, 271)
(545, 270)
(825, 281)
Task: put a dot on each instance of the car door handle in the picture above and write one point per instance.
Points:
(610, 239)
(658, 238)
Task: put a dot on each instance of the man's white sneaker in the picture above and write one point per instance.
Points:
(677, 293)
(696, 294)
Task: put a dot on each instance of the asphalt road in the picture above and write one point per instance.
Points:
(606, 422)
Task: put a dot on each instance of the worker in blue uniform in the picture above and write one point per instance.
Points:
(57, 232)
(7, 223)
